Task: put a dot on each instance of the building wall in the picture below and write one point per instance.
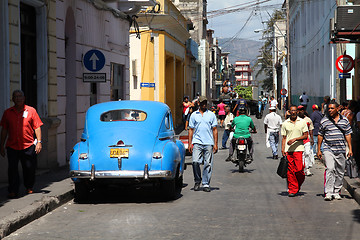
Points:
(162, 58)
(195, 10)
(312, 56)
(93, 29)
(162, 61)
(10, 67)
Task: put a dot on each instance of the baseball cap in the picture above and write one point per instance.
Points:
(301, 107)
(202, 99)
(315, 106)
(272, 108)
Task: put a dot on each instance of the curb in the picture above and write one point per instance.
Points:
(353, 187)
(34, 211)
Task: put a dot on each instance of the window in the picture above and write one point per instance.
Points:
(123, 115)
(117, 82)
(167, 122)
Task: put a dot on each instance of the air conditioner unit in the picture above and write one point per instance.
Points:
(348, 18)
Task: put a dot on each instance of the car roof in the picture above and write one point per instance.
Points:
(153, 109)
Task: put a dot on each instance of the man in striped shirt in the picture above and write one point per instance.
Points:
(334, 131)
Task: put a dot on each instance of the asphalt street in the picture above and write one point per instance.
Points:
(249, 205)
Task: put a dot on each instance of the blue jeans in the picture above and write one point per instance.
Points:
(202, 154)
(314, 147)
(274, 142)
(225, 137)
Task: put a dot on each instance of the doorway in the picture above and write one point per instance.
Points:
(28, 54)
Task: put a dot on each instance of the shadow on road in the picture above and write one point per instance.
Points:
(245, 171)
(356, 215)
(285, 194)
(120, 194)
(211, 188)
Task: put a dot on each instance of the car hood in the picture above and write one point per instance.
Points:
(139, 143)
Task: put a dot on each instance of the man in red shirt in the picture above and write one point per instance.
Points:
(19, 123)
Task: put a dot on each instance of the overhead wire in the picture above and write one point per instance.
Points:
(238, 32)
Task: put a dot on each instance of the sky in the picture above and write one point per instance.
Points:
(228, 25)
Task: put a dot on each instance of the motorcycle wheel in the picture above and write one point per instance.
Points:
(241, 166)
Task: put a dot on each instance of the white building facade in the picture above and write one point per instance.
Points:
(312, 61)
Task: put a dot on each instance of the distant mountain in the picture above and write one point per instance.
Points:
(240, 49)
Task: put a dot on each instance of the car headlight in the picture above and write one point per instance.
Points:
(157, 155)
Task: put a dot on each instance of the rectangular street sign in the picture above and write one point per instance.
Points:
(344, 75)
(94, 77)
(149, 85)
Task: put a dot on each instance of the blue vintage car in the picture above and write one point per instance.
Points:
(128, 142)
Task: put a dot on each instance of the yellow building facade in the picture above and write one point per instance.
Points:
(159, 59)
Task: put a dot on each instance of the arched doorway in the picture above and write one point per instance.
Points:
(70, 82)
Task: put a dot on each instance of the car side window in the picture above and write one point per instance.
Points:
(171, 121)
(167, 121)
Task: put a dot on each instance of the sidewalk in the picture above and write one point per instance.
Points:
(52, 189)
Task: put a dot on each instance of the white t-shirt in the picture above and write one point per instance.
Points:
(273, 122)
(273, 103)
(228, 119)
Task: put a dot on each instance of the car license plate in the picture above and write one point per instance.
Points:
(119, 152)
(241, 147)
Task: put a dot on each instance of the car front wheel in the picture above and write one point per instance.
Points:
(81, 192)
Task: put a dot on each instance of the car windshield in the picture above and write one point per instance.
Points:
(123, 115)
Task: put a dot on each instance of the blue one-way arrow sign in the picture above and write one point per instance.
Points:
(94, 60)
(344, 75)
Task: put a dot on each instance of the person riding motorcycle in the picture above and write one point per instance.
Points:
(242, 123)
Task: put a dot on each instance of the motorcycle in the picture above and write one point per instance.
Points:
(243, 157)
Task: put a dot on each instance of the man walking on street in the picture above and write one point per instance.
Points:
(315, 117)
(308, 155)
(294, 130)
(272, 124)
(227, 123)
(334, 131)
(304, 99)
(273, 102)
(240, 103)
(19, 124)
(203, 138)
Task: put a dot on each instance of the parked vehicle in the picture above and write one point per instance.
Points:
(130, 143)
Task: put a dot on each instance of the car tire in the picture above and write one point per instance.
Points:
(179, 184)
(81, 192)
(168, 189)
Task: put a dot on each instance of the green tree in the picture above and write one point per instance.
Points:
(246, 92)
(265, 59)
